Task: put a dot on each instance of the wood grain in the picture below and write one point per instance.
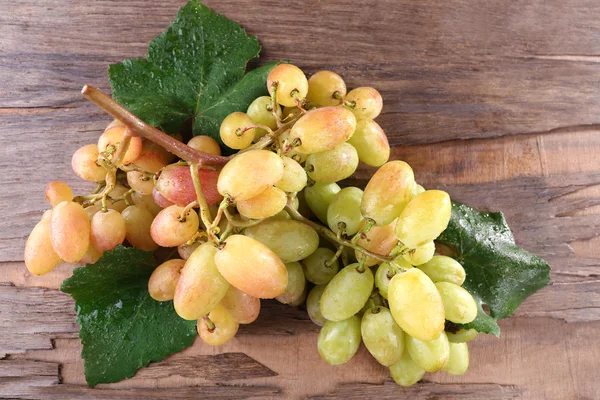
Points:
(494, 101)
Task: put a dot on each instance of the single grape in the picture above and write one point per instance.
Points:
(260, 112)
(459, 305)
(249, 174)
(416, 304)
(296, 284)
(346, 293)
(462, 336)
(221, 328)
(294, 177)
(252, 267)
(332, 165)
(389, 190)
(431, 355)
(91, 210)
(90, 257)
(300, 299)
(289, 240)
(171, 227)
(379, 240)
(242, 307)
(417, 189)
(319, 196)
(140, 182)
(291, 84)
(85, 164)
(152, 158)
(115, 200)
(367, 102)
(69, 231)
(280, 216)
(110, 140)
(159, 151)
(164, 278)
(323, 129)
(458, 362)
(343, 213)
(200, 287)
(264, 205)
(406, 372)
(290, 113)
(113, 123)
(339, 340)
(313, 305)
(316, 266)
(137, 227)
(444, 269)
(160, 200)
(421, 254)
(371, 143)
(382, 336)
(234, 132)
(205, 144)
(146, 202)
(375, 300)
(176, 185)
(326, 88)
(40, 257)
(185, 250)
(386, 271)
(107, 230)
(424, 218)
(57, 192)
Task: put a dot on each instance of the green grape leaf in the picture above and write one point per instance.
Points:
(500, 274)
(121, 327)
(193, 70)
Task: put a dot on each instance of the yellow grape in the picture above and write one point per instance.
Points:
(294, 177)
(367, 102)
(370, 142)
(421, 254)
(90, 257)
(107, 230)
(264, 205)
(430, 355)
(185, 250)
(252, 267)
(242, 307)
(113, 123)
(114, 202)
(339, 340)
(291, 84)
(406, 372)
(137, 227)
(323, 129)
(146, 202)
(200, 287)
(113, 137)
(169, 229)
(70, 231)
(458, 362)
(313, 305)
(382, 336)
(205, 144)
(40, 257)
(459, 305)
(326, 88)
(152, 157)
(91, 210)
(417, 189)
(57, 192)
(386, 271)
(344, 211)
(416, 304)
(249, 174)
(444, 269)
(424, 218)
(233, 130)
(289, 240)
(462, 336)
(223, 327)
(164, 278)
(389, 190)
(140, 182)
(296, 284)
(316, 268)
(346, 293)
(260, 112)
(85, 164)
(379, 240)
(332, 165)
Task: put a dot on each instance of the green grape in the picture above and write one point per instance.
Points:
(346, 293)
(294, 177)
(332, 165)
(264, 205)
(40, 257)
(431, 355)
(367, 102)
(382, 336)
(370, 142)
(343, 213)
(234, 132)
(221, 329)
(296, 284)
(289, 240)
(326, 88)
(459, 305)
(107, 230)
(424, 218)
(339, 340)
(205, 144)
(313, 305)
(291, 84)
(57, 192)
(137, 227)
(416, 304)
(417, 189)
(444, 269)
(260, 112)
(171, 228)
(421, 254)
(69, 231)
(316, 269)
(375, 300)
(111, 138)
(163, 281)
(323, 129)
(379, 239)
(386, 271)
(280, 216)
(319, 196)
(249, 174)
(200, 287)
(242, 307)
(85, 164)
(406, 372)
(389, 190)
(462, 336)
(458, 362)
(300, 299)
(252, 267)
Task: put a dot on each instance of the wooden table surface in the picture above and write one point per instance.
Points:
(495, 101)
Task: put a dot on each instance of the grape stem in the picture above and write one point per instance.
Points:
(202, 204)
(237, 223)
(329, 235)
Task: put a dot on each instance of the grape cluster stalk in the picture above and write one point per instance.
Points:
(271, 221)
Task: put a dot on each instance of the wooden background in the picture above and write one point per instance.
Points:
(495, 101)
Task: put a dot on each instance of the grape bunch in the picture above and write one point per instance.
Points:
(271, 222)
